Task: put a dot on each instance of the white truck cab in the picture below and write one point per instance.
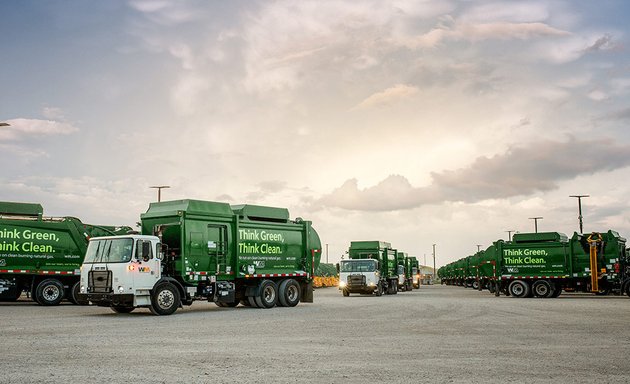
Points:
(122, 272)
(360, 276)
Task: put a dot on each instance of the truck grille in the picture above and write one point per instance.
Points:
(356, 280)
(100, 281)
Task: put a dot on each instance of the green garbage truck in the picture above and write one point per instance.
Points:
(201, 250)
(544, 264)
(42, 255)
(371, 268)
(405, 277)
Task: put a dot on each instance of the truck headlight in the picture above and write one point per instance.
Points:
(342, 283)
(82, 289)
(121, 289)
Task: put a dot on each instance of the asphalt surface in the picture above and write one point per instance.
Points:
(437, 334)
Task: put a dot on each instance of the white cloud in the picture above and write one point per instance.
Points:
(388, 96)
(22, 128)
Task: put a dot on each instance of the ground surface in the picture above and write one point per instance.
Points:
(437, 334)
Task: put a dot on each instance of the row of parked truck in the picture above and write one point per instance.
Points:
(374, 267)
(545, 264)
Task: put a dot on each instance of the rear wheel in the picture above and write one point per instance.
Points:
(345, 292)
(49, 292)
(165, 299)
(74, 293)
(289, 293)
(519, 288)
(542, 289)
(268, 294)
(475, 285)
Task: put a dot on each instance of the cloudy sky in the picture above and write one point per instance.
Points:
(414, 122)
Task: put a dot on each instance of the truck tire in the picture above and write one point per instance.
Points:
(475, 285)
(49, 292)
(542, 289)
(379, 290)
(627, 290)
(165, 299)
(73, 293)
(345, 292)
(519, 288)
(245, 302)
(252, 301)
(289, 293)
(268, 294)
(119, 309)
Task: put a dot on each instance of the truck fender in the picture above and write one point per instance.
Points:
(180, 288)
(252, 290)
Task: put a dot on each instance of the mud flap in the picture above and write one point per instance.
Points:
(307, 292)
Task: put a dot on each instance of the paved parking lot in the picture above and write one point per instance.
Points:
(437, 334)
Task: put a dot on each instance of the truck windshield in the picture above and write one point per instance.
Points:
(109, 251)
(358, 266)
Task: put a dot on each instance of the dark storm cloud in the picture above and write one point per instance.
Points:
(520, 171)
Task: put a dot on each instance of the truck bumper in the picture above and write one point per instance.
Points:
(366, 289)
(107, 299)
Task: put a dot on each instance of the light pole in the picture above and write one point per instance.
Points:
(326, 253)
(579, 197)
(536, 222)
(160, 188)
(510, 234)
(478, 247)
(433, 276)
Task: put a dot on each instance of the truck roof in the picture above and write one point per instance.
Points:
(539, 237)
(369, 245)
(21, 209)
(198, 207)
(258, 212)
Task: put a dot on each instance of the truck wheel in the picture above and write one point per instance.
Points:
(74, 293)
(245, 302)
(542, 289)
(475, 285)
(268, 294)
(627, 289)
(49, 292)
(252, 301)
(119, 309)
(519, 288)
(165, 299)
(491, 287)
(379, 290)
(345, 292)
(289, 293)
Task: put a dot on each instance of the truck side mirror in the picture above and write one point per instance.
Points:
(337, 265)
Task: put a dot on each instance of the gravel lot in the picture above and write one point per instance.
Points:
(437, 334)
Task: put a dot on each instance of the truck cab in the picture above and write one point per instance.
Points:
(124, 272)
(360, 276)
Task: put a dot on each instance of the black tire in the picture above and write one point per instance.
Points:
(289, 293)
(475, 285)
(245, 302)
(491, 287)
(519, 288)
(267, 294)
(120, 309)
(379, 290)
(252, 301)
(73, 295)
(49, 292)
(219, 304)
(165, 299)
(33, 293)
(345, 292)
(557, 290)
(627, 290)
(542, 289)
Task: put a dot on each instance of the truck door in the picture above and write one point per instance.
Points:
(217, 248)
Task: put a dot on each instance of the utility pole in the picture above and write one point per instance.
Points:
(579, 197)
(160, 188)
(536, 222)
(478, 247)
(510, 234)
(433, 277)
(326, 253)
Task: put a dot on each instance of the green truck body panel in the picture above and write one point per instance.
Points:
(380, 250)
(214, 239)
(33, 246)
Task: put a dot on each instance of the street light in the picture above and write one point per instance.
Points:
(536, 222)
(510, 234)
(160, 188)
(579, 197)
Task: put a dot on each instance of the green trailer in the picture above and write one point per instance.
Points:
(371, 268)
(191, 250)
(42, 255)
(545, 264)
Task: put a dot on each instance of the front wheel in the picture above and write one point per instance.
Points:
(165, 299)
